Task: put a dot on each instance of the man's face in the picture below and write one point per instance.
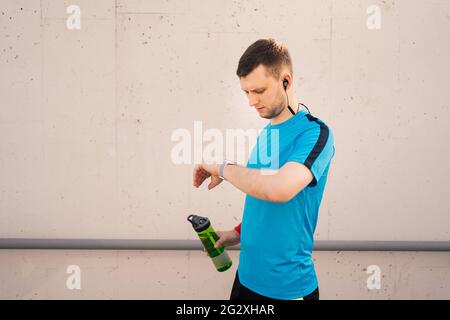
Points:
(264, 92)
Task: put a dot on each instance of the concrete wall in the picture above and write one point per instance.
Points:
(87, 116)
(190, 275)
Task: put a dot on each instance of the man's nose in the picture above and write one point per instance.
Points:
(252, 100)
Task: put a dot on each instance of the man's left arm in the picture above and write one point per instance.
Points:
(279, 186)
(274, 186)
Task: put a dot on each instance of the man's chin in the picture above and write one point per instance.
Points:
(266, 115)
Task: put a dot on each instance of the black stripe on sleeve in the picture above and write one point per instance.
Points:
(318, 147)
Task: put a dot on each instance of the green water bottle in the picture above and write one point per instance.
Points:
(209, 237)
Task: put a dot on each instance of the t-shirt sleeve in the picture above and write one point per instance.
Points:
(314, 148)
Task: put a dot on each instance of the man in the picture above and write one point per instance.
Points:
(281, 207)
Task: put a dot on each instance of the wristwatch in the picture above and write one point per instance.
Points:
(222, 167)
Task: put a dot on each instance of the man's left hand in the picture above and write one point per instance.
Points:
(204, 171)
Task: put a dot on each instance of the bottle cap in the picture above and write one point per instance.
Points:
(199, 223)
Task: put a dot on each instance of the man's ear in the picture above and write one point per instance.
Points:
(286, 77)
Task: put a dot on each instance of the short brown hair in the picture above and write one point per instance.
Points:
(268, 52)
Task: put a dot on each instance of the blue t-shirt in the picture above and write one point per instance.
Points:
(277, 238)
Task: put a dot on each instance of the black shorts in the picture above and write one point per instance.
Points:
(239, 292)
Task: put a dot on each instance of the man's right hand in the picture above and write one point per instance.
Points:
(228, 238)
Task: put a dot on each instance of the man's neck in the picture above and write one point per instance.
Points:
(285, 115)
